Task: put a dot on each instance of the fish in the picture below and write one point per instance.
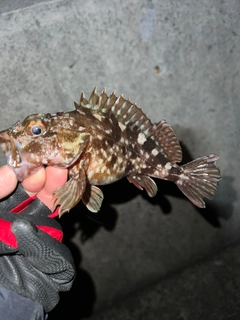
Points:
(104, 139)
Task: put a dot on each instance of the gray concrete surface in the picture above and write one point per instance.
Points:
(179, 60)
(8, 6)
(206, 290)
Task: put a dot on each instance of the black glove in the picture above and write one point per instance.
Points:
(33, 263)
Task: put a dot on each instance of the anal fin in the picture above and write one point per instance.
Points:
(144, 182)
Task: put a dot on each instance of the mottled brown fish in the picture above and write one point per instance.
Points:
(105, 139)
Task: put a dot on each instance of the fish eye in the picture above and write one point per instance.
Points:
(37, 130)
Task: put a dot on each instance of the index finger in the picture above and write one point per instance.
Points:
(8, 181)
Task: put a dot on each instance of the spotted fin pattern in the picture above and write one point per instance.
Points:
(144, 182)
(198, 179)
(129, 115)
(124, 110)
(92, 198)
(71, 192)
(166, 137)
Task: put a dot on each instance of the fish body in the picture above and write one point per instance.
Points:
(103, 140)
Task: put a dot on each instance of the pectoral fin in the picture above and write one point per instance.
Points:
(70, 193)
(92, 198)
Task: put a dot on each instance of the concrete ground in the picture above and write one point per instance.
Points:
(179, 60)
(208, 289)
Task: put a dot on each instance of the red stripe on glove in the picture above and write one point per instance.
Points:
(9, 238)
(23, 204)
(6, 234)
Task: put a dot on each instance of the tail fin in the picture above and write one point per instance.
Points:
(198, 179)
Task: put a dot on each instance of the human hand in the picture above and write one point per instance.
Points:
(42, 183)
(32, 262)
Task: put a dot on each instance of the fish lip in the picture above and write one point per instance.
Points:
(11, 149)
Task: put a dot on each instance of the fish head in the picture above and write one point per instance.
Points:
(43, 139)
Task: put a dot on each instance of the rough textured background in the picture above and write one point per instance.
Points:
(179, 60)
(206, 290)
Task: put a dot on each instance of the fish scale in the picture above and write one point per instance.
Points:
(103, 140)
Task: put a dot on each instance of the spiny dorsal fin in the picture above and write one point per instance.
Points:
(102, 98)
(167, 139)
(77, 106)
(124, 110)
(128, 114)
(93, 100)
(101, 102)
(109, 102)
(83, 100)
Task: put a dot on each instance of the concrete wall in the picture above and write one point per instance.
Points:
(179, 60)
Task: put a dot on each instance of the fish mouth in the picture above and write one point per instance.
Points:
(11, 149)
